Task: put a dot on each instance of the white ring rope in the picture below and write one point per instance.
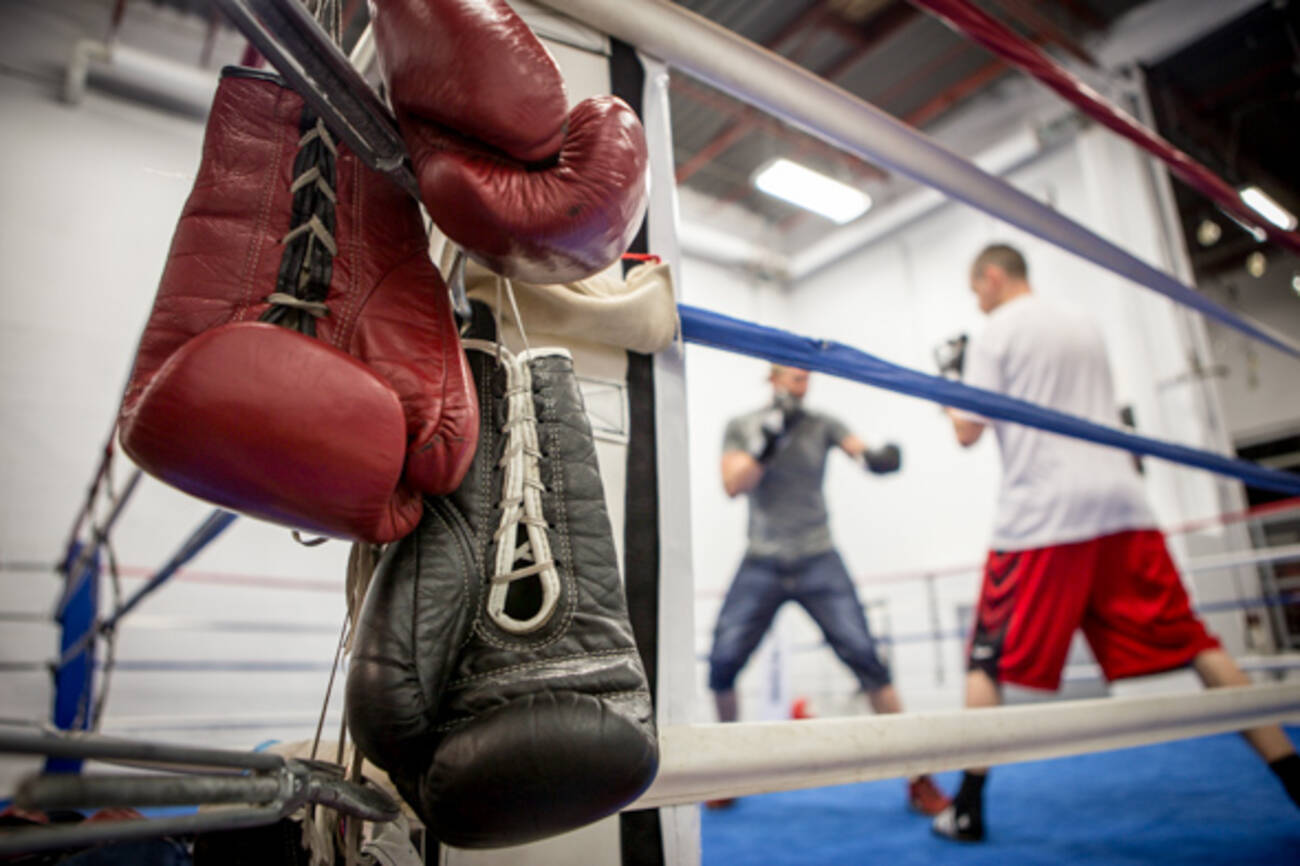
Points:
(1217, 562)
(702, 762)
(1267, 664)
(1259, 556)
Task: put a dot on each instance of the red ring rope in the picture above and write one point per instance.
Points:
(986, 30)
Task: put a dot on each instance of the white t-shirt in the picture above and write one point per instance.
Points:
(1055, 489)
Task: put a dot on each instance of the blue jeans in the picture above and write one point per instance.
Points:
(821, 584)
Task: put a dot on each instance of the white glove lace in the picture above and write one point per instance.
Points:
(521, 499)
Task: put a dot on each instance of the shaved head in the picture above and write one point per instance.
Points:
(1004, 256)
(997, 275)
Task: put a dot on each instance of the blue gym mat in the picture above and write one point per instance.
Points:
(1209, 800)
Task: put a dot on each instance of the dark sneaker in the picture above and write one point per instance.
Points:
(958, 826)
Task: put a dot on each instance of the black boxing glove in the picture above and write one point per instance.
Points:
(950, 357)
(785, 412)
(883, 460)
(495, 675)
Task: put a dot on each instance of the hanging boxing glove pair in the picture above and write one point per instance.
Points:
(301, 363)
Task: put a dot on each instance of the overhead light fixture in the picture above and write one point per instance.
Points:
(1256, 264)
(1208, 233)
(1295, 282)
(1264, 205)
(812, 191)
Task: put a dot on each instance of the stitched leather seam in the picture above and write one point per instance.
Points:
(465, 572)
(254, 255)
(352, 303)
(485, 458)
(465, 720)
(539, 663)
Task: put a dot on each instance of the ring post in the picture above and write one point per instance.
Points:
(74, 680)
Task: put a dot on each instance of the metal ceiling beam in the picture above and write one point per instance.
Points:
(955, 94)
(919, 75)
(809, 17)
(1041, 28)
(716, 146)
(747, 120)
(1040, 31)
(876, 31)
(881, 28)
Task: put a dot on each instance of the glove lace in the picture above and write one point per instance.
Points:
(307, 263)
(518, 558)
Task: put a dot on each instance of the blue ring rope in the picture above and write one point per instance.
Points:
(708, 328)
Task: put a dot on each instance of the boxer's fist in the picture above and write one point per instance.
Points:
(883, 460)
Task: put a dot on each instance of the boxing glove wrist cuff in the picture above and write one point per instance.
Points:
(883, 460)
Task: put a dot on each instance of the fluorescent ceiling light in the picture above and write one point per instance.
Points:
(1264, 205)
(812, 191)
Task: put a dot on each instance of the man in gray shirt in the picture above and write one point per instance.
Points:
(777, 456)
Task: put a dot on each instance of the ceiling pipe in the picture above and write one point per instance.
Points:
(155, 80)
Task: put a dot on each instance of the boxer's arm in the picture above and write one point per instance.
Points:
(981, 368)
(740, 472)
(879, 461)
(853, 446)
(968, 430)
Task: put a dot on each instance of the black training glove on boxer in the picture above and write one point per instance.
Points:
(883, 460)
(950, 357)
(775, 423)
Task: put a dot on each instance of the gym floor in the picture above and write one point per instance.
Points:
(1202, 801)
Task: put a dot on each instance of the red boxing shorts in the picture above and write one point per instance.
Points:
(1122, 590)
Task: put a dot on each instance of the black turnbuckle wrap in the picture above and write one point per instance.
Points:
(261, 787)
(299, 48)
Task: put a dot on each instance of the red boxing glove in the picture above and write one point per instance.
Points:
(530, 191)
(301, 363)
(474, 67)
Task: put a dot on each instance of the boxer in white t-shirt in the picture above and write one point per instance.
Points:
(1074, 544)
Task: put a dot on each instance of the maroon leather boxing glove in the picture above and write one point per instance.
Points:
(513, 101)
(530, 190)
(301, 363)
